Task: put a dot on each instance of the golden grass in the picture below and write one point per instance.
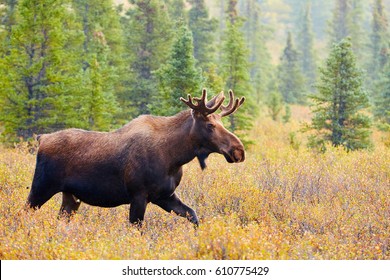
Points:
(281, 203)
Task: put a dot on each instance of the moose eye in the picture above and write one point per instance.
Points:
(210, 126)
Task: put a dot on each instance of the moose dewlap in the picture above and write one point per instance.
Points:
(136, 164)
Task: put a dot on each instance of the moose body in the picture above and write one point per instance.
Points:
(136, 164)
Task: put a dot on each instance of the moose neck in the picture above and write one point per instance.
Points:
(179, 145)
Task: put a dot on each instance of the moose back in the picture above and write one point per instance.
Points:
(136, 164)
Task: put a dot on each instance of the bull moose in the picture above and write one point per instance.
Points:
(136, 164)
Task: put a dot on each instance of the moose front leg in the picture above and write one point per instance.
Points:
(173, 203)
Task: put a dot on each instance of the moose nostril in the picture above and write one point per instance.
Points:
(239, 155)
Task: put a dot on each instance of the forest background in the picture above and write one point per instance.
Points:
(98, 64)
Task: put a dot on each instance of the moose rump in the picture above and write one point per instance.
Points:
(74, 162)
(136, 164)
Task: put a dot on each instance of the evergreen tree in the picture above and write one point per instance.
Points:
(347, 21)
(203, 30)
(148, 34)
(7, 20)
(340, 24)
(275, 105)
(291, 80)
(379, 40)
(287, 113)
(101, 62)
(213, 80)
(203, 33)
(178, 77)
(382, 103)
(305, 44)
(37, 72)
(176, 10)
(235, 70)
(341, 98)
(256, 36)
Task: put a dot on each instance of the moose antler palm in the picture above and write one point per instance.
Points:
(202, 107)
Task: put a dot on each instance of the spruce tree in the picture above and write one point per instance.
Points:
(7, 20)
(382, 102)
(291, 80)
(102, 62)
(148, 32)
(275, 105)
(203, 30)
(235, 70)
(305, 44)
(379, 41)
(338, 105)
(178, 77)
(256, 36)
(176, 10)
(38, 72)
(347, 21)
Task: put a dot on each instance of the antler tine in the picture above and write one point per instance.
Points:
(201, 104)
(232, 106)
(188, 102)
(231, 99)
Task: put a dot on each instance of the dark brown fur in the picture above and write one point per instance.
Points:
(136, 164)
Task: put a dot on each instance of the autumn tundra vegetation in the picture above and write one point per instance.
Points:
(283, 202)
(83, 82)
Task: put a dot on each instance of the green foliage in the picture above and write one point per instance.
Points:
(379, 44)
(382, 104)
(148, 34)
(101, 63)
(213, 80)
(347, 21)
(305, 45)
(178, 77)
(176, 9)
(256, 35)
(38, 72)
(203, 30)
(290, 78)
(338, 116)
(287, 114)
(7, 20)
(235, 72)
(275, 105)
(294, 142)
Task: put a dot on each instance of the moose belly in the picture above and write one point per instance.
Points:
(103, 193)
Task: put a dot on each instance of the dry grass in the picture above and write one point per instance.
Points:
(282, 203)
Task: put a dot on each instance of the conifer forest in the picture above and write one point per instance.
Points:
(315, 123)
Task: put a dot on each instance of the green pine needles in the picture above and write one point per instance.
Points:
(178, 77)
(339, 106)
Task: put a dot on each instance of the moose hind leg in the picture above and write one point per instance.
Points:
(137, 210)
(173, 203)
(39, 195)
(70, 205)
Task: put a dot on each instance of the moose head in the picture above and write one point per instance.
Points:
(208, 133)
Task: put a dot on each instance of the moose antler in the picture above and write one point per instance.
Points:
(201, 103)
(232, 106)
